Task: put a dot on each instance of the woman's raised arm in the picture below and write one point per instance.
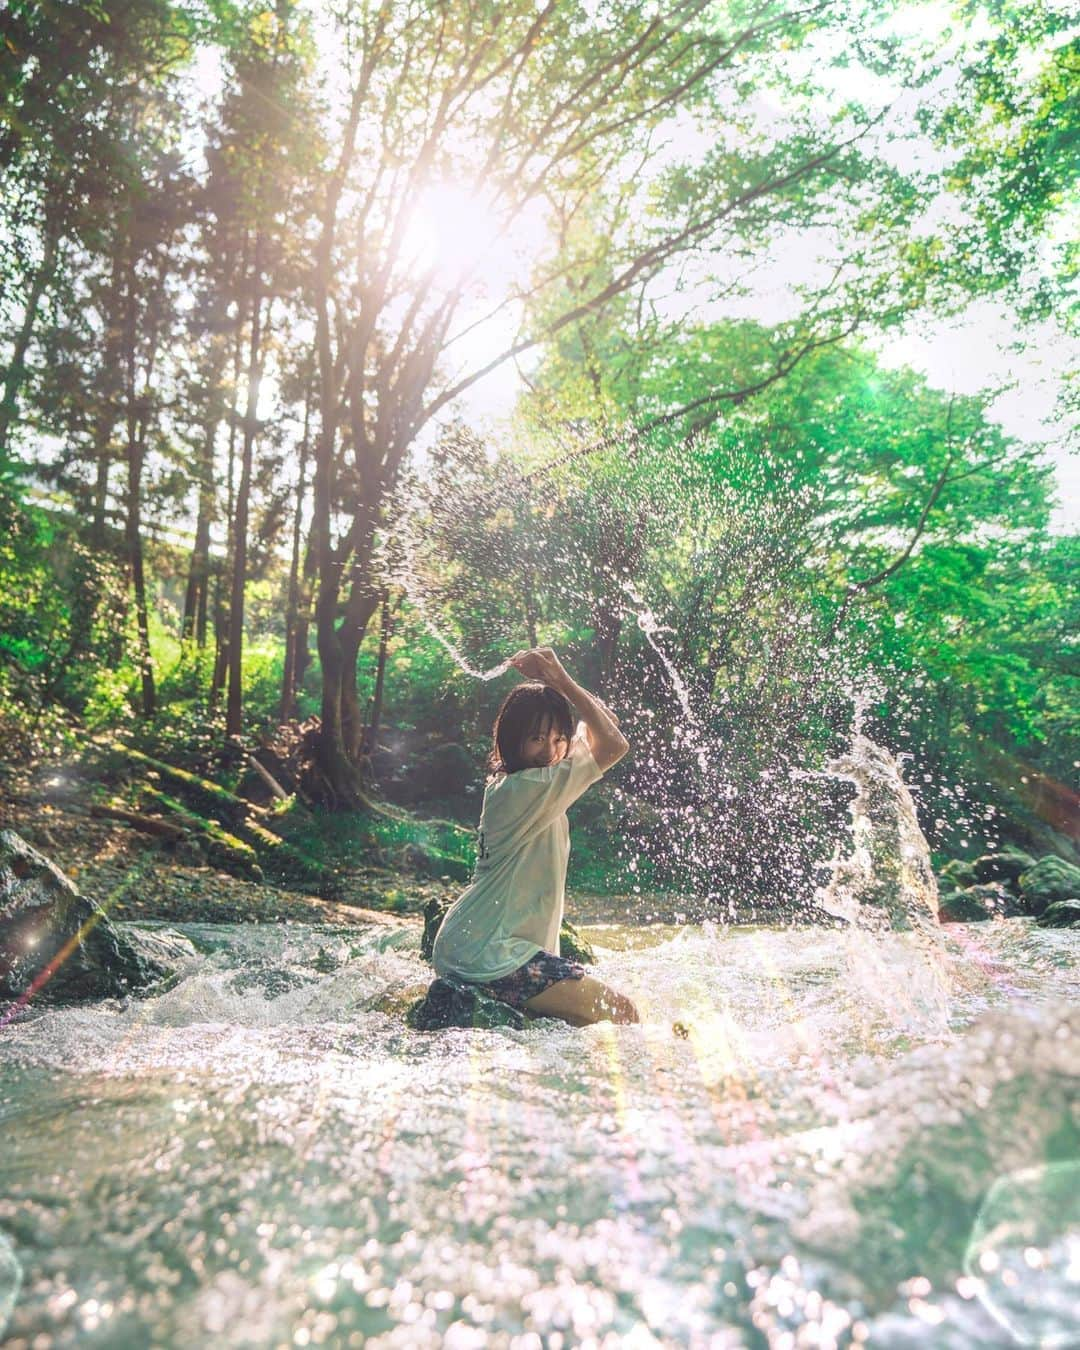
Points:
(606, 741)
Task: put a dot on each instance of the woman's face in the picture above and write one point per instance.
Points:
(544, 745)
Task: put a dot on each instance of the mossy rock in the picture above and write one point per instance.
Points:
(57, 946)
(975, 903)
(574, 946)
(958, 872)
(455, 1003)
(1005, 865)
(1050, 880)
(1061, 914)
(427, 861)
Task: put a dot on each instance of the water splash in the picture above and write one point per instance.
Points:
(650, 627)
(887, 880)
(453, 651)
(714, 799)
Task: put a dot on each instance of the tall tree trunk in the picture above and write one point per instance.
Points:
(337, 778)
(292, 605)
(301, 647)
(105, 421)
(133, 522)
(103, 462)
(371, 738)
(234, 704)
(363, 602)
(198, 579)
(222, 625)
(15, 374)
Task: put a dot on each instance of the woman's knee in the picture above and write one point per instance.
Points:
(623, 1009)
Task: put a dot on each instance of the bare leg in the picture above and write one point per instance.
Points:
(582, 1002)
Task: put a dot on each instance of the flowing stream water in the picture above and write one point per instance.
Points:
(835, 1154)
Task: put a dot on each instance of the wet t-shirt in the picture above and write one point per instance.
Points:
(514, 907)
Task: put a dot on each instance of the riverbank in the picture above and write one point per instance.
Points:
(135, 876)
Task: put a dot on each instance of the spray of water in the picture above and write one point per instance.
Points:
(651, 627)
(722, 797)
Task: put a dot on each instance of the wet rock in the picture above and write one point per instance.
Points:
(1050, 880)
(1061, 914)
(975, 903)
(434, 913)
(574, 946)
(571, 943)
(162, 945)
(960, 907)
(958, 872)
(56, 945)
(1005, 865)
(456, 1003)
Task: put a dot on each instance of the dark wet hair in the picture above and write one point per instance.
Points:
(524, 710)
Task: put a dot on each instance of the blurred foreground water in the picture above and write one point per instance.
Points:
(862, 1139)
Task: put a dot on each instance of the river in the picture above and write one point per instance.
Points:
(859, 1141)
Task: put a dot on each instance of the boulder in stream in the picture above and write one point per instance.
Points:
(1061, 914)
(1050, 880)
(1005, 865)
(972, 905)
(456, 1003)
(958, 873)
(56, 945)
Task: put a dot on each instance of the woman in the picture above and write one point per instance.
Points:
(502, 933)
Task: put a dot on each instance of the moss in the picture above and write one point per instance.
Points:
(200, 792)
(225, 850)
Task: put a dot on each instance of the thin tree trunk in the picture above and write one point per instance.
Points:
(292, 606)
(107, 401)
(301, 647)
(371, 739)
(234, 704)
(199, 569)
(222, 624)
(15, 374)
(133, 524)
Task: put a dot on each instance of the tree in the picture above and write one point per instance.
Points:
(266, 124)
(70, 75)
(527, 110)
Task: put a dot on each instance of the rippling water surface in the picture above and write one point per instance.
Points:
(860, 1141)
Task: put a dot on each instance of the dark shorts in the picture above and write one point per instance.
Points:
(537, 974)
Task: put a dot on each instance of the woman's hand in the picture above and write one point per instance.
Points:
(539, 663)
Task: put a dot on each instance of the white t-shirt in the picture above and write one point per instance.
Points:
(514, 906)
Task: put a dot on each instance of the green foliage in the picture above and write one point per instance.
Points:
(787, 518)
